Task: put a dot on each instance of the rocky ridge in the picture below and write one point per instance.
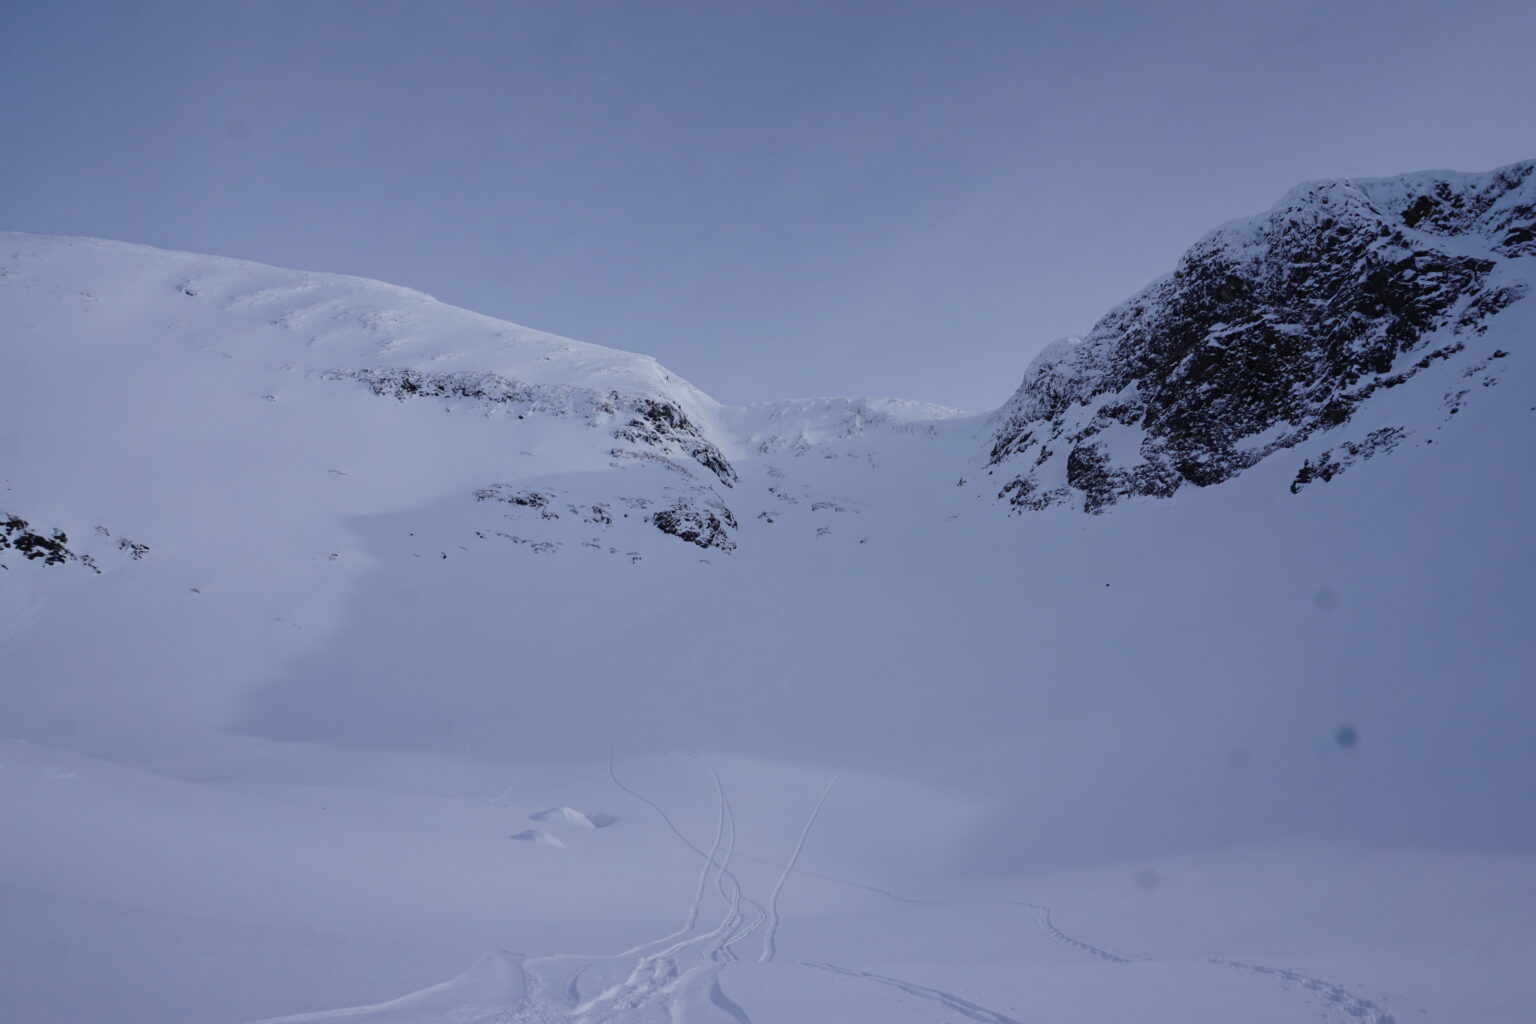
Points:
(1271, 330)
(658, 424)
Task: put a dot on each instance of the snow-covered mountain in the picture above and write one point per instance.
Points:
(1277, 328)
(366, 658)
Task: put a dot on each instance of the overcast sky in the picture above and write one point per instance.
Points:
(775, 199)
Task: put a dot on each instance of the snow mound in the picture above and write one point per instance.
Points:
(571, 816)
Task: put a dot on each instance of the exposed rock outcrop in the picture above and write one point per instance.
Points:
(643, 420)
(1270, 330)
(702, 522)
(51, 548)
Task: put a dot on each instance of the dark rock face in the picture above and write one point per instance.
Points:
(657, 423)
(702, 524)
(478, 387)
(648, 421)
(1335, 460)
(1270, 330)
(513, 496)
(50, 549)
(53, 547)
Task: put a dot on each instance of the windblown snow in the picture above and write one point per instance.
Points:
(369, 659)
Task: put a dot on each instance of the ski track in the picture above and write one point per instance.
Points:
(736, 898)
(660, 976)
(771, 934)
(692, 916)
(657, 975)
(1049, 927)
(1357, 1007)
(709, 861)
(1043, 912)
(420, 1001)
(672, 826)
(950, 1001)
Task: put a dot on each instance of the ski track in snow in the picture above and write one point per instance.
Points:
(475, 996)
(1356, 1007)
(683, 967)
(661, 976)
(736, 898)
(729, 816)
(770, 936)
(1043, 912)
(1049, 927)
(948, 1000)
(667, 974)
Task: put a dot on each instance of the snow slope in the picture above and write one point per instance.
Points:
(454, 671)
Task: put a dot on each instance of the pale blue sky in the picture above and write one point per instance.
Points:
(774, 199)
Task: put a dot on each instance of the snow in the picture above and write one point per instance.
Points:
(898, 756)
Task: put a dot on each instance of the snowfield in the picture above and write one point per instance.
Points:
(367, 659)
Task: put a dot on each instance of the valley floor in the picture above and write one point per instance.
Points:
(656, 891)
